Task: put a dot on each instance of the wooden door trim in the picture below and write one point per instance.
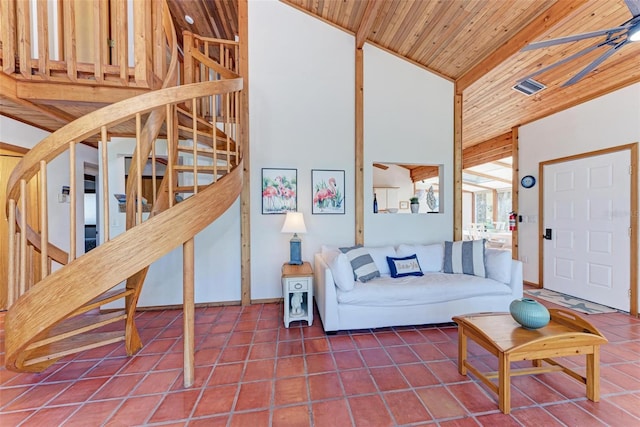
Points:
(633, 206)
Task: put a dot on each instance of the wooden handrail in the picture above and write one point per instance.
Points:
(90, 124)
(113, 262)
(50, 299)
(204, 112)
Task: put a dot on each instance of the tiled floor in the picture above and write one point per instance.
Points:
(251, 371)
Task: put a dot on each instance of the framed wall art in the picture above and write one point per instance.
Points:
(327, 188)
(279, 191)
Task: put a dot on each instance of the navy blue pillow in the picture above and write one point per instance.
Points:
(405, 266)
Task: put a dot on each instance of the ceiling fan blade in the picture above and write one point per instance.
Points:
(565, 60)
(576, 37)
(594, 64)
(634, 6)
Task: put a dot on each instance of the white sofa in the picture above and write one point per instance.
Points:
(432, 298)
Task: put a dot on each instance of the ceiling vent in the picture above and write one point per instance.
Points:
(529, 87)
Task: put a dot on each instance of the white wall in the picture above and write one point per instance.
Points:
(17, 133)
(217, 247)
(302, 108)
(302, 85)
(408, 116)
(608, 121)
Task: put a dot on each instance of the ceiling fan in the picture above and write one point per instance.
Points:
(616, 38)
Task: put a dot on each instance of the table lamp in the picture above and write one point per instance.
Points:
(294, 223)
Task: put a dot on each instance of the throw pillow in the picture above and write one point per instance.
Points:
(429, 256)
(340, 268)
(379, 256)
(364, 269)
(498, 264)
(465, 257)
(342, 272)
(405, 266)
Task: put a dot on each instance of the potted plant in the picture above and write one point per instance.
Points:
(415, 204)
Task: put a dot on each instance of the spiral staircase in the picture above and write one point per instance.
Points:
(55, 297)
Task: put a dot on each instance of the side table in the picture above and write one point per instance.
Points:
(297, 289)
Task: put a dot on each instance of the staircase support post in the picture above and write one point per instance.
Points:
(188, 310)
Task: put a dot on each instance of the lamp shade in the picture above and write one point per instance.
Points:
(294, 223)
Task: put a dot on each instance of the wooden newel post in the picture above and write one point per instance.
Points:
(188, 313)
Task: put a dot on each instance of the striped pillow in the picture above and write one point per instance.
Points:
(465, 257)
(364, 269)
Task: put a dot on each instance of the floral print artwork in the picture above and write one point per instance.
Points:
(279, 191)
(328, 191)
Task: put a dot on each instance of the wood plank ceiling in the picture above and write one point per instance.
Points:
(476, 43)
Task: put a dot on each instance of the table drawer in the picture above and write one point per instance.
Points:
(298, 285)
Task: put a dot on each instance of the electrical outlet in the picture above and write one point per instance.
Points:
(525, 259)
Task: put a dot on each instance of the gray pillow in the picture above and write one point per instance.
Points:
(465, 257)
(364, 269)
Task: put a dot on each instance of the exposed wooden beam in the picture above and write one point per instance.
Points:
(556, 13)
(457, 166)
(515, 190)
(486, 175)
(9, 89)
(473, 184)
(368, 19)
(424, 172)
(501, 164)
(36, 91)
(359, 148)
(245, 194)
(488, 151)
(380, 166)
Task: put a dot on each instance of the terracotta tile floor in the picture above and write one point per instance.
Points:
(251, 371)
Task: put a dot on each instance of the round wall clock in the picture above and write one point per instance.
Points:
(528, 181)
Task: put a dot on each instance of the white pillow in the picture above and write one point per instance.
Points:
(342, 272)
(379, 256)
(340, 269)
(429, 256)
(498, 265)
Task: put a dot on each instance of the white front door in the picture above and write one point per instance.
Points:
(587, 207)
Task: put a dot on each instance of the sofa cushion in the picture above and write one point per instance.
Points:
(340, 268)
(429, 256)
(404, 266)
(364, 268)
(379, 256)
(432, 288)
(498, 264)
(465, 257)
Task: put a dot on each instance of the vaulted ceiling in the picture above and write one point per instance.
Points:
(475, 43)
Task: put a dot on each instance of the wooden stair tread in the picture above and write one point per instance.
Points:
(71, 345)
(199, 150)
(107, 297)
(78, 325)
(189, 189)
(220, 170)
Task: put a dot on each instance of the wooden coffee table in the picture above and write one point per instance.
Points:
(565, 335)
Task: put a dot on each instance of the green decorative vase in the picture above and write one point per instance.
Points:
(529, 313)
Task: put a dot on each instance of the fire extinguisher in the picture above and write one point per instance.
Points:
(512, 220)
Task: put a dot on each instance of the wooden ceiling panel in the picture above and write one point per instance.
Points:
(451, 37)
(474, 42)
(491, 107)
